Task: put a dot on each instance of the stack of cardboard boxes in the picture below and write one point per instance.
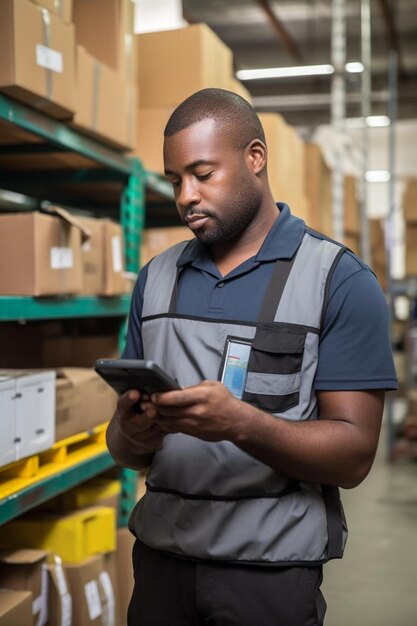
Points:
(55, 59)
(171, 66)
(69, 561)
(285, 163)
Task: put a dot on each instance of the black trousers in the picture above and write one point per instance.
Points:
(176, 592)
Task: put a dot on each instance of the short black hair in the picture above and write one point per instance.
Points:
(228, 108)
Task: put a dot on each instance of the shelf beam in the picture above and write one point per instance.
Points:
(61, 135)
(27, 308)
(27, 499)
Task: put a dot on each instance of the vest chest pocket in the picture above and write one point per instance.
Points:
(274, 368)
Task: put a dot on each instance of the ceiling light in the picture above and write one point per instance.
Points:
(285, 72)
(296, 70)
(354, 67)
(372, 121)
(377, 121)
(377, 176)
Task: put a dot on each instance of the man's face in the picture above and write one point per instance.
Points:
(215, 192)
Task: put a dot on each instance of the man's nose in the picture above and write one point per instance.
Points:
(189, 194)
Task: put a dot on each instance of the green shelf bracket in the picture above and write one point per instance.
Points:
(27, 308)
(61, 135)
(26, 499)
(132, 214)
(129, 480)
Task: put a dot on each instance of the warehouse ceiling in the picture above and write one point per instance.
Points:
(282, 33)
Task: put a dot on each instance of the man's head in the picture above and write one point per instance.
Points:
(231, 112)
(215, 157)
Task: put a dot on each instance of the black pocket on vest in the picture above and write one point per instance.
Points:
(276, 351)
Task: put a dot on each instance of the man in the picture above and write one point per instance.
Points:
(242, 505)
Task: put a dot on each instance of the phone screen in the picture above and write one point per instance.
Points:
(236, 366)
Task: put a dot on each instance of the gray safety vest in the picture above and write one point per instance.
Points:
(209, 500)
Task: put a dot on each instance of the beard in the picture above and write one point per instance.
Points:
(238, 211)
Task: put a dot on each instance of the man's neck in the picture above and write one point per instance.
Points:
(230, 255)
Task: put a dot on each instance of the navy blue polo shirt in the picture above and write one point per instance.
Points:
(355, 348)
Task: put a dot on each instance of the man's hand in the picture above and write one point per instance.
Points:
(207, 411)
(144, 434)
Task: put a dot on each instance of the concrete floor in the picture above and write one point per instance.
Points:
(375, 584)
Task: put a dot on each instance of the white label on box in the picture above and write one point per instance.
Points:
(116, 247)
(86, 246)
(109, 614)
(49, 59)
(66, 610)
(61, 258)
(93, 599)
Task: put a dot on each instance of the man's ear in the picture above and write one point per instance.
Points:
(256, 152)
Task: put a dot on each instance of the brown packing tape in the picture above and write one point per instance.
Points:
(95, 101)
(46, 23)
(59, 8)
(70, 219)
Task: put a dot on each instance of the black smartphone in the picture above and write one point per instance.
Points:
(124, 374)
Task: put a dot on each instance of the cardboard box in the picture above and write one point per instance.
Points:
(351, 206)
(110, 584)
(318, 189)
(173, 64)
(37, 58)
(113, 43)
(410, 201)
(60, 8)
(32, 410)
(73, 536)
(156, 240)
(40, 254)
(101, 100)
(59, 597)
(86, 592)
(285, 164)
(411, 249)
(8, 452)
(15, 608)
(95, 591)
(24, 570)
(103, 257)
(83, 400)
(378, 251)
(149, 140)
(125, 542)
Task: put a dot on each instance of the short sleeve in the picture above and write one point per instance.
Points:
(133, 347)
(355, 348)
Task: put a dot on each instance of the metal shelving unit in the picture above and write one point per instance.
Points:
(48, 161)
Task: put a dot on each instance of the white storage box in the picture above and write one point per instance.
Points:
(33, 410)
(7, 420)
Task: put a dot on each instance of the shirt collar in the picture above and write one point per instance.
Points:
(281, 242)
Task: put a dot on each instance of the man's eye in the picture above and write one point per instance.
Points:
(175, 183)
(204, 176)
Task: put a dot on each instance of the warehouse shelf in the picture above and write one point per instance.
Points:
(35, 480)
(44, 161)
(28, 308)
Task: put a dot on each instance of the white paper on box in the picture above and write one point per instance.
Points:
(66, 610)
(66, 601)
(93, 599)
(49, 59)
(86, 246)
(116, 246)
(61, 258)
(109, 613)
(40, 604)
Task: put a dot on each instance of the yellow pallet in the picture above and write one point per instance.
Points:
(63, 455)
